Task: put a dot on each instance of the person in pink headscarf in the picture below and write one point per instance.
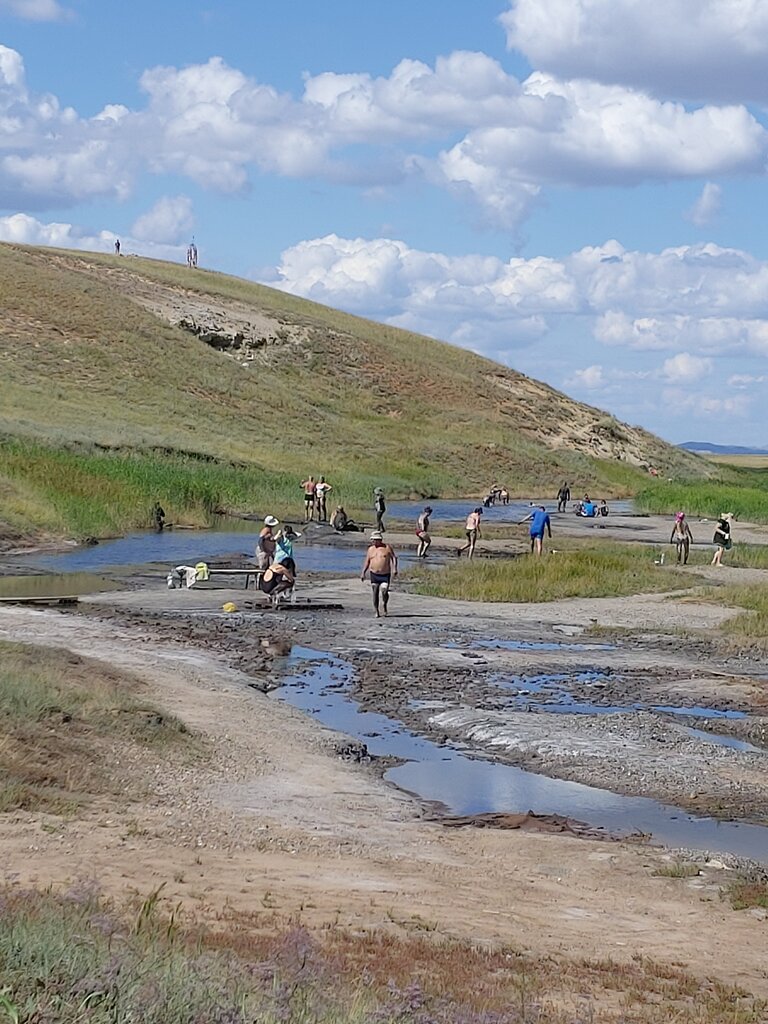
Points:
(682, 537)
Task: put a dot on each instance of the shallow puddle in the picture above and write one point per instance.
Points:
(53, 585)
(318, 683)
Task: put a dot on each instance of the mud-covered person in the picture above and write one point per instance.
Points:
(422, 532)
(381, 566)
(379, 508)
(472, 530)
(682, 538)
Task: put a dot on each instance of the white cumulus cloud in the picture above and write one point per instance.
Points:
(35, 10)
(23, 229)
(686, 368)
(170, 220)
(707, 206)
(692, 49)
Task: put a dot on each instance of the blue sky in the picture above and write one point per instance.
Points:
(572, 187)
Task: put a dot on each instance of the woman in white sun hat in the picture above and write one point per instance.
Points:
(265, 546)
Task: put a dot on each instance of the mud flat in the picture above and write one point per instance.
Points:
(283, 822)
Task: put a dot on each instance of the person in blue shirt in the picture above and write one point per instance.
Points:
(539, 520)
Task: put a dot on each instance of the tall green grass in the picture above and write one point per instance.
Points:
(88, 492)
(746, 497)
(609, 570)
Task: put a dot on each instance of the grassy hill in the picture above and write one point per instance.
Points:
(126, 380)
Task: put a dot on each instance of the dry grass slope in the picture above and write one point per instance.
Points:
(90, 352)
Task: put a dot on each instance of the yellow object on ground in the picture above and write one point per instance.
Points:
(230, 606)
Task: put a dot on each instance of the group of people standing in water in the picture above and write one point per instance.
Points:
(276, 560)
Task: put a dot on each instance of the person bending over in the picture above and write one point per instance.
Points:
(540, 521)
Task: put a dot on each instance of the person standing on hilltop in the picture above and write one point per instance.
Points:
(379, 507)
(309, 486)
(322, 489)
(682, 537)
(117, 247)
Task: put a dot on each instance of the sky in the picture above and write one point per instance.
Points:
(575, 188)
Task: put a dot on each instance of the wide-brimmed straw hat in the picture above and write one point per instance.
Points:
(271, 521)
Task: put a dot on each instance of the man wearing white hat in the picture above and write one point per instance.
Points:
(381, 564)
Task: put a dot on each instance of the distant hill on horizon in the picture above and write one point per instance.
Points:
(721, 449)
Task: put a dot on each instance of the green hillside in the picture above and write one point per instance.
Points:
(126, 380)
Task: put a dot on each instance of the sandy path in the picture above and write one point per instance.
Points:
(279, 825)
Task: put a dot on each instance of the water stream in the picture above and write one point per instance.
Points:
(318, 683)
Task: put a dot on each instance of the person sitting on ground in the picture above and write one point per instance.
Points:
(682, 537)
(277, 579)
(722, 537)
(602, 509)
(473, 532)
(540, 521)
(588, 508)
(265, 546)
(341, 522)
(422, 532)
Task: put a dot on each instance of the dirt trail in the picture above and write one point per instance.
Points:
(278, 825)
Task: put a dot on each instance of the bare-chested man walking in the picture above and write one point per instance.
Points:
(381, 563)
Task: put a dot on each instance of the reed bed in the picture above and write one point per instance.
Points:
(608, 570)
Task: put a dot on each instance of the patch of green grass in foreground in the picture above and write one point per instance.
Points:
(606, 570)
(57, 714)
(751, 628)
(73, 958)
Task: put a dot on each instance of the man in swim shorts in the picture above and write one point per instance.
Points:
(381, 565)
(422, 532)
(682, 537)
